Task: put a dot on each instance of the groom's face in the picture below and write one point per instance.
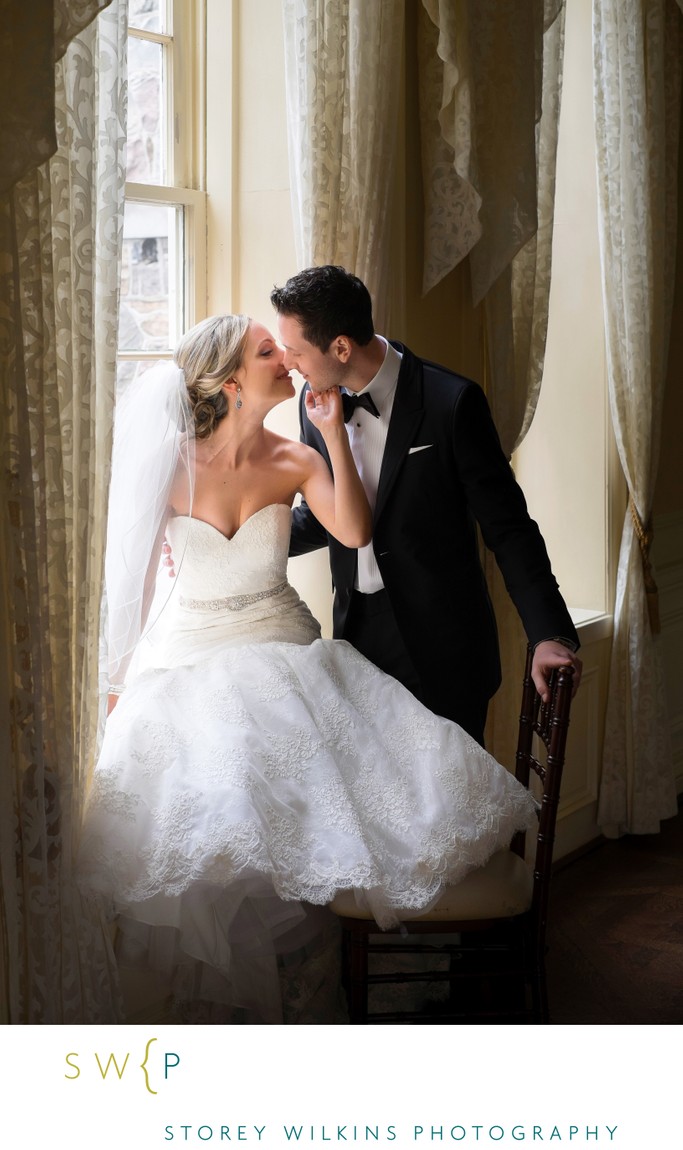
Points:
(321, 369)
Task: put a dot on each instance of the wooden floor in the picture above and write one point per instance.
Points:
(616, 932)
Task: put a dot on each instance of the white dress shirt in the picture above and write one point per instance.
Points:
(368, 437)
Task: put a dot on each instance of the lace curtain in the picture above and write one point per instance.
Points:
(490, 90)
(32, 37)
(343, 72)
(637, 76)
(490, 86)
(60, 245)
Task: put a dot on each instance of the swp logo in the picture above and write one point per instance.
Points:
(111, 1066)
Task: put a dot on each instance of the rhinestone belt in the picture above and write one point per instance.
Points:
(232, 602)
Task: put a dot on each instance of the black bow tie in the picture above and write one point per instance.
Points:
(351, 402)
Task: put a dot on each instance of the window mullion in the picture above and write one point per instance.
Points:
(153, 37)
(164, 267)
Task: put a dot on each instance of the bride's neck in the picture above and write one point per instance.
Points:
(231, 442)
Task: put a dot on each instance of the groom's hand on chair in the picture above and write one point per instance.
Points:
(549, 655)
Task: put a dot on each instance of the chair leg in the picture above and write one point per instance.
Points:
(357, 987)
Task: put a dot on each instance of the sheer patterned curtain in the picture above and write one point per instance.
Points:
(60, 243)
(637, 77)
(490, 90)
(32, 36)
(490, 86)
(343, 73)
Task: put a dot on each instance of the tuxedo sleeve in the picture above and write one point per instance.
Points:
(308, 534)
(497, 502)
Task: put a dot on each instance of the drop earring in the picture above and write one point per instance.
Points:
(238, 401)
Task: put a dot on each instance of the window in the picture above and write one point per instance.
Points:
(163, 270)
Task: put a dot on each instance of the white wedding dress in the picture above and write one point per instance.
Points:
(254, 767)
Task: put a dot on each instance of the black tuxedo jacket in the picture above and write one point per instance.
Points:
(443, 471)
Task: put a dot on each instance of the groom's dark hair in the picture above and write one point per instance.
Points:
(328, 301)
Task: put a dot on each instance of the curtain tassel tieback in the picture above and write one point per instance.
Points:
(645, 536)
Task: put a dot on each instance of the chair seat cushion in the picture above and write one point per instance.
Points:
(501, 889)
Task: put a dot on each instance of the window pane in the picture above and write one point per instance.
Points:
(152, 295)
(147, 128)
(150, 15)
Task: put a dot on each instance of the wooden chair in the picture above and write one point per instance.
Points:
(495, 963)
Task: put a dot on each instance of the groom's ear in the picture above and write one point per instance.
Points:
(341, 348)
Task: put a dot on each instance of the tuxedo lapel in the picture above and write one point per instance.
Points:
(406, 417)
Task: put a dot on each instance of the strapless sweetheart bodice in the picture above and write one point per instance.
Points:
(229, 591)
(211, 566)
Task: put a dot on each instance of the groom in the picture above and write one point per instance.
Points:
(415, 600)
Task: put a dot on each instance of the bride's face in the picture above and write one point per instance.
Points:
(262, 375)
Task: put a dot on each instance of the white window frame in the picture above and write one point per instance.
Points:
(185, 118)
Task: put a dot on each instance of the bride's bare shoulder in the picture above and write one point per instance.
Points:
(291, 451)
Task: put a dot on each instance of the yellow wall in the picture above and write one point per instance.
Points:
(563, 462)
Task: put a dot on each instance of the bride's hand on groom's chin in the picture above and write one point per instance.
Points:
(324, 409)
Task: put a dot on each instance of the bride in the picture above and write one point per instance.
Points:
(250, 769)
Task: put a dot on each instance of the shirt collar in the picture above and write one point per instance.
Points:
(382, 386)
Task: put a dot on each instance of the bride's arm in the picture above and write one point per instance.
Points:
(339, 503)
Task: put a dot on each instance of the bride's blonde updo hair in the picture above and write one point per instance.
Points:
(209, 354)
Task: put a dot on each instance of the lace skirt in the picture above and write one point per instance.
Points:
(274, 774)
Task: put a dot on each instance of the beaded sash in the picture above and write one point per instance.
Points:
(232, 602)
